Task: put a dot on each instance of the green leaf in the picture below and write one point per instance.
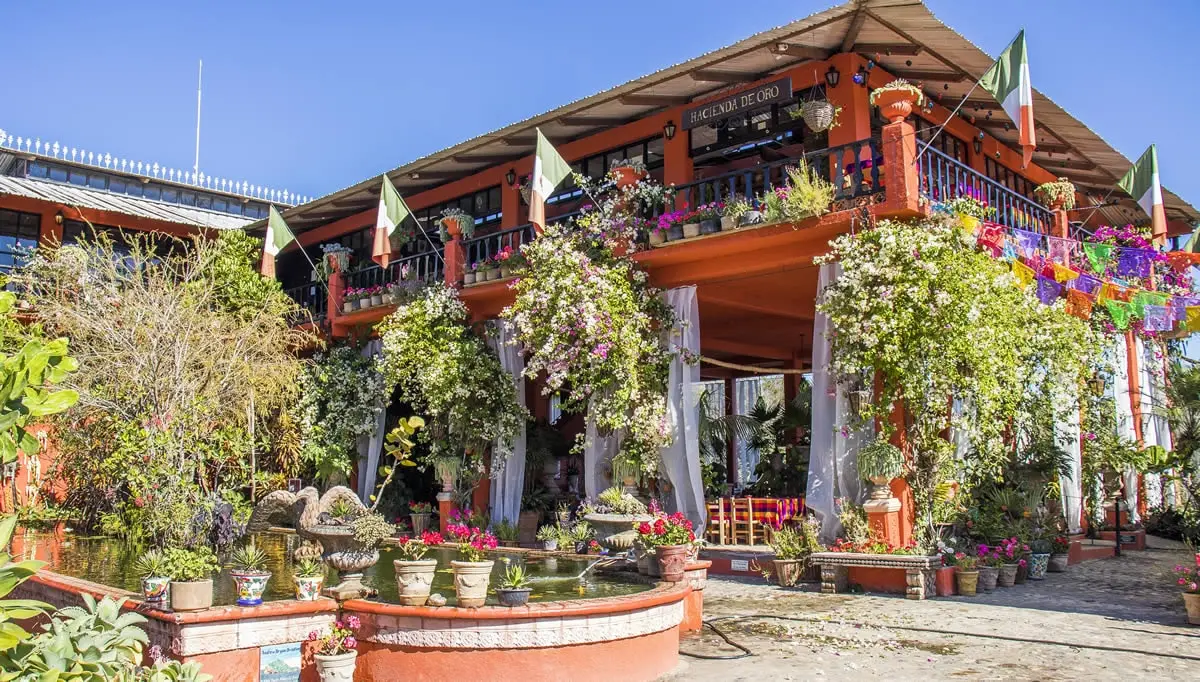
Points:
(53, 403)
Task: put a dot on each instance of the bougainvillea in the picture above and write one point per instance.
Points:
(341, 396)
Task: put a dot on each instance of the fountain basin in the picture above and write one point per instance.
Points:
(616, 532)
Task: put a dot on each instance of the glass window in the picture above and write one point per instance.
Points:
(655, 153)
(134, 189)
(58, 174)
(18, 235)
(116, 185)
(170, 195)
(78, 178)
(204, 201)
(219, 204)
(38, 170)
(187, 198)
(153, 192)
(97, 181)
(595, 167)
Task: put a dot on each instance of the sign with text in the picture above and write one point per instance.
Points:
(739, 102)
(279, 663)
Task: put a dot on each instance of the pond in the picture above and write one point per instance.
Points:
(109, 561)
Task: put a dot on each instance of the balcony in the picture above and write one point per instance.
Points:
(312, 298)
(943, 178)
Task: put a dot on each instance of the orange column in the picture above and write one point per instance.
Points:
(510, 206)
(455, 256)
(854, 121)
(900, 171)
(1060, 223)
(677, 157)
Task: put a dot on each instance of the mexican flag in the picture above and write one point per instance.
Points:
(549, 171)
(1008, 81)
(278, 236)
(1141, 182)
(392, 212)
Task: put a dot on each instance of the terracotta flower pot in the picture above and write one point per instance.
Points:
(336, 668)
(308, 589)
(420, 523)
(191, 596)
(944, 581)
(1191, 601)
(895, 105)
(988, 575)
(1058, 563)
(671, 561)
(414, 579)
(1038, 564)
(1007, 576)
(691, 230)
(250, 586)
(652, 565)
(471, 580)
(968, 582)
(788, 571)
(154, 588)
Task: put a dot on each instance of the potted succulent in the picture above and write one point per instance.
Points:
(249, 573)
(191, 577)
(879, 463)
(563, 511)
(672, 537)
(548, 535)
(1060, 548)
(581, 536)
(731, 217)
(454, 222)
(514, 587)
(472, 570)
(897, 99)
(336, 651)
(1188, 578)
(1039, 559)
(414, 573)
(420, 512)
(1059, 194)
(151, 567)
(626, 172)
(966, 573)
(308, 575)
(709, 216)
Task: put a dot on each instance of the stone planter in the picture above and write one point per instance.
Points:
(919, 571)
(788, 571)
(191, 596)
(895, 105)
(414, 579)
(944, 581)
(348, 557)
(674, 232)
(550, 545)
(988, 575)
(1191, 601)
(471, 580)
(1007, 576)
(968, 581)
(468, 278)
(710, 226)
(376, 299)
(250, 586)
(154, 588)
(336, 668)
(728, 223)
(691, 230)
(347, 306)
(420, 523)
(671, 561)
(513, 597)
(1058, 563)
(308, 589)
(505, 272)
(657, 237)
(615, 532)
(1038, 564)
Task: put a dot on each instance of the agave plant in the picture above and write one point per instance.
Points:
(249, 559)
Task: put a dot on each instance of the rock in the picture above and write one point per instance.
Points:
(435, 599)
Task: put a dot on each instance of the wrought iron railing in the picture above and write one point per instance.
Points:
(312, 298)
(944, 178)
(853, 169)
(423, 266)
(486, 247)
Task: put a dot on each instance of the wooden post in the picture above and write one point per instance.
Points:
(731, 471)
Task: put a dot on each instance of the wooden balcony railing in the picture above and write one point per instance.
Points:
(423, 266)
(311, 297)
(944, 178)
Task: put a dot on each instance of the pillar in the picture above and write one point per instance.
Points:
(336, 290)
(900, 171)
(893, 518)
(510, 206)
(1060, 223)
(854, 122)
(731, 445)
(445, 502)
(455, 257)
(677, 159)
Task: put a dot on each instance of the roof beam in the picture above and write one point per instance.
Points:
(905, 49)
(590, 121)
(1052, 164)
(856, 24)
(989, 104)
(351, 201)
(714, 76)
(801, 51)
(1054, 149)
(519, 141)
(431, 175)
(647, 100)
(748, 349)
(937, 76)
(487, 159)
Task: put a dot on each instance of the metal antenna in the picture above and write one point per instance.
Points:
(199, 83)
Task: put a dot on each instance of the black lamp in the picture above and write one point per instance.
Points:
(510, 177)
(1096, 384)
(832, 76)
(669, 130)
(860, 76)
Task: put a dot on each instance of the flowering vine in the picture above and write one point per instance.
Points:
(340, 399)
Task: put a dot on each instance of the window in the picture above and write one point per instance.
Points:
(483, 205)
(18, 234)
(776, 125)
(945, 142)
(1009, 178)
(97, 181)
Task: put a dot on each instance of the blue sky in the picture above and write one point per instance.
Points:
(313, 96)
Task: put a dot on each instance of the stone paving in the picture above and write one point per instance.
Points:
(1102, 620)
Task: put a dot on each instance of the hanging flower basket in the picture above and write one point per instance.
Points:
(818, 115)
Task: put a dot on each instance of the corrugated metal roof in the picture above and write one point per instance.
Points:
(85, 197)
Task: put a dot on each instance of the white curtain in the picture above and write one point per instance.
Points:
(746, 392)
(832, 464)
(370, 446)
(509, 483)
(681, 459)
(1067, 434)
(598, 451)
(1125, 420)
(960, 435)
(1152, 402)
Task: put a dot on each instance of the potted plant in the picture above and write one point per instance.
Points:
(376, 294)
(548, 535)
(191, 577)
(1058, 195)
(514, 587)
(1060, 549)
(334, 255)
(989, 563)
(626, 172)
(414, 573)
(250, 574)
(472, 570)
(563, 511)
(151, 567)
(709, 216)
(335, 652)
(1009, 562)
(453, 222)
(1188, 578)
(510, 261)
(691, 224)
(469, 273)
(731, 217)
(879, 463)
(1039, 559)
(820, 114)
(671, 536)
(506, 533)
(581, 536)
(420, 512)
(793, 547)
(966, 573)
(897, 99)
(657, 234)
(350, 299)
(308, 575)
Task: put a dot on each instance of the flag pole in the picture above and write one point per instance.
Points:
(429, 239)
(1097, 207)
(949, 118)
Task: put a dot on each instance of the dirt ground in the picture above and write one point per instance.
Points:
(1102, 620)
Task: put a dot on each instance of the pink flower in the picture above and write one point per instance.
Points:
(349, 642)
(353, 622)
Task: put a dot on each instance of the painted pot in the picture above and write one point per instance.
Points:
(308, 588)
(710, 226)
(1058, 563)
(691, 230)
(988, 575)
(1038, 564)
(414, 579)
(657, 237)
(581, 547)
(191, 596)
(154, 588)
(347, 306)
(1007, 576)
(895, 105)
(336, 668)
(250, 586)
(420, 523)
(1191, 601)
(968, 581)
(728, 223)
(468, 278)
(471, 582)
(671, 561)
(788, 571)
(675, 232)
(943, 581)
(550, 545)
(513, 597)
(376, 299)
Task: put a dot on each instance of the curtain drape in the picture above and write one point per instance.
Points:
(746, 392)
(1153, 403)
(509, 485)
(681, 459)
(370, 446)
(1067, 434)
(1125, 420)
(598, 451)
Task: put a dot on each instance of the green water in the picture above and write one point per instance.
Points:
(110, 562)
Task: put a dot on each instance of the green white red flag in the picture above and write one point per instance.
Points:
(1008, 81)
(1142, 183)
(392, 212)
(278, 236)
(549, 171)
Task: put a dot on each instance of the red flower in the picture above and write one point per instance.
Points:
(644, 528)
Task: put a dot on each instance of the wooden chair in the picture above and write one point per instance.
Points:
(741, 520)
(717, 523)
(768, 518)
